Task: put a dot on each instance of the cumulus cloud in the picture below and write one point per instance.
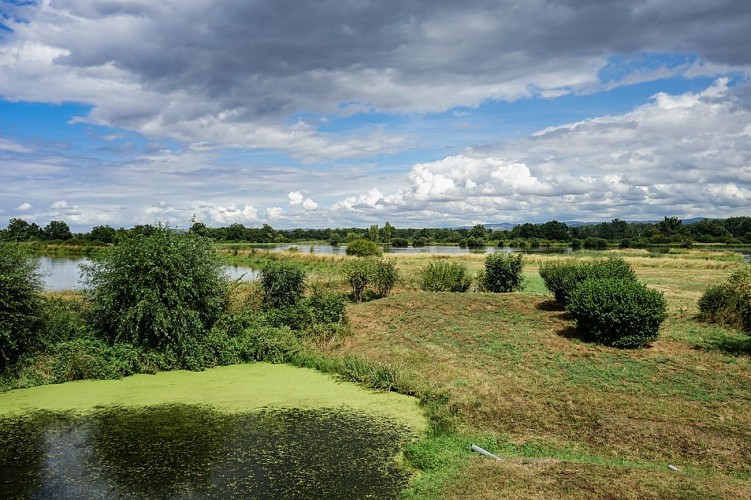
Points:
(687, 154)
(24, 207)
(296, 198)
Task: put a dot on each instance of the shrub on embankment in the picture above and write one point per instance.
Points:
(617, 312)
(562, 278)
(444, 276)
(160, 290)
(729, 303)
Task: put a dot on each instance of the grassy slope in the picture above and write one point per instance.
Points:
(575, 419)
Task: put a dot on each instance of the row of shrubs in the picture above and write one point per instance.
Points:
(502, 274)
(604, 298)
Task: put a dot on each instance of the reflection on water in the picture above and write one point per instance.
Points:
(192, 451)
(65, 273)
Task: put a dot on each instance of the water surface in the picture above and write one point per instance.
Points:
(191, 451)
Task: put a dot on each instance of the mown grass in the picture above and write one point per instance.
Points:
(573, 419)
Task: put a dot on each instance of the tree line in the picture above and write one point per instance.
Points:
(670, 230)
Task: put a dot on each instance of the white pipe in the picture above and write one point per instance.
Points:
(484, 452)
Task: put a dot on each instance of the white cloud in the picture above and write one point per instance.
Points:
(24, 207)
(309, 204)
(60, 204)
(687, 154)
(295, 198)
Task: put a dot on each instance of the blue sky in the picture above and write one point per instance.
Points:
(336, 114)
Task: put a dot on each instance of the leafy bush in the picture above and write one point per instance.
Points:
(273, 345)
(444, 276)
(357, 273)
(562, 278)
(729, 303)
(283, 284)
(596, 243)
(383, 276)
(364, 273)
(91, 358)
(327, 308)
(617, 312)
(363, 248)
(158, 290)
(64, 320)
(503, 273)
(21, 311)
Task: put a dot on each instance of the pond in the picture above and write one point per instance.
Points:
(65, 273)
(262, 431)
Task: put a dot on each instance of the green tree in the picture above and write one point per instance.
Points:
(374, 234)
(105, 234)
(20, 230)
(387, 230)
(670, 226)
(57, 230)
(21, 305)
(162, 290)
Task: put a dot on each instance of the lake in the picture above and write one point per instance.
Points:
(243, 431)
(64, 273)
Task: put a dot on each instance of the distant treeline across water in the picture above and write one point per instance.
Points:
(670, 230)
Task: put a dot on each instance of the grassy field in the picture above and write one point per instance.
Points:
(571, 419)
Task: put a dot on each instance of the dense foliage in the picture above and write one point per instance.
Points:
(445, 276)
(363, 248)
(561, 278)
(158, 290)
(617, 312)
(503, 273)
(283, 284)
(21, 305)
(364, 274)
(730, 302)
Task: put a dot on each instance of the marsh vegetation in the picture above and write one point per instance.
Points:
(574, 416)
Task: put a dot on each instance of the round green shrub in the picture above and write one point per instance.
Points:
(445, 276)
(283, 284)
(160, 290)
(503, 273)
(364, 248)
(617, 312)
(562, 278)
(21, 303)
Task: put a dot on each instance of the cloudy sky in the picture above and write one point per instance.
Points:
(335, 113)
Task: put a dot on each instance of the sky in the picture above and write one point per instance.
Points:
(348, 113)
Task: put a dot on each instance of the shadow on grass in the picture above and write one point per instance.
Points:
(550, 305)
(571, 332)
(735, 344)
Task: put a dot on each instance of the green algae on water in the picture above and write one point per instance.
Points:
(236, 388)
